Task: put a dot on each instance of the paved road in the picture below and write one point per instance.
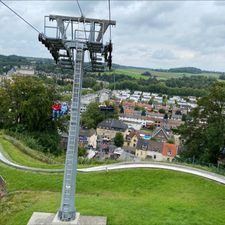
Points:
(122, 166)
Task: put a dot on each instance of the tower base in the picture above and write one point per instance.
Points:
(51, 219)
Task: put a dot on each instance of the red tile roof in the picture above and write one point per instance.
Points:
(169, 150)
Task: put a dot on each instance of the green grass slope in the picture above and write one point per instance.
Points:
(130, 197)
(16, 155)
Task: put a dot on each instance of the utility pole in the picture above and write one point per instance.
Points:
(67, 47)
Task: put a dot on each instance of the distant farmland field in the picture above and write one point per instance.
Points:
(160, 75)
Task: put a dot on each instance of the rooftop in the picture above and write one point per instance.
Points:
(113, 124)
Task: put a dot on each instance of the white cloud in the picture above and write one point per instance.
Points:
(150, 34)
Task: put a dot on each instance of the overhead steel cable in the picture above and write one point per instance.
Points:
(110, 28)
(82, 15)
(20, 17)
(110, 46)
(81, 12)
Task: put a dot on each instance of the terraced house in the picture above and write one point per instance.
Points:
(159, 151)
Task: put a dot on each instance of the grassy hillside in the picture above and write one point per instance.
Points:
(126, 197)
(20, 154)
(48, 65)
(160, 75)
(16, 155)
(129, 72)
(168, 75)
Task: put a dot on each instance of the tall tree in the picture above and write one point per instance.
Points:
(204, 132)
(93, 116)
(26, 101)
(118, 140)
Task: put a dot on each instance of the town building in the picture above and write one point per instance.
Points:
(148, 149)
(121, 94)
(169, 151)
(146, 96)
(108, 128)
(86, 100)
(132, 139)
(103, 95)
(22, 71)
(154, 150)
(87, 139)
(134, 121)
(161, 135)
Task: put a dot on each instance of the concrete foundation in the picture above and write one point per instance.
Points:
(52, 219)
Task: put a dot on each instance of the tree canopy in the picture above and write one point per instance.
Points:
(93, 116)
(26, 101)
(195, 82)
(152, 85)
(204, 130)
(25, 109)
(222, 77)
(186, 70)
(118, 140)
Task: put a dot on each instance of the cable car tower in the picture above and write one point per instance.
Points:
(67, 39)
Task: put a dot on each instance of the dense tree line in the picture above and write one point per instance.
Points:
(7, 62)
(41, 65)
(204, 130)
(196, 82)
(222, 77)
(158, 87)
(185, 86)
(89, 82)
(194, 85)
(146, 73)
(186, 70)
(52, 68)
(25, 107)
(109, 77)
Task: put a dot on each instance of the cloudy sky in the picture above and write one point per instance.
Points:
(154, 34)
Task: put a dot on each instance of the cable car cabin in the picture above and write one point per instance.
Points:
(104, 108)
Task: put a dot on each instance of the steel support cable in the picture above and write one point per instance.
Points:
(110, 44)
(82, 15)
(81, 12)
(20, 17)
(84, 29)
(110, 29)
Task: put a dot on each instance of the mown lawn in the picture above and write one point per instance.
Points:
(16, 155)
(129, 197)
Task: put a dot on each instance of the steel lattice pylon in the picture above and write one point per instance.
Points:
(67, 43)
(67, 209)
